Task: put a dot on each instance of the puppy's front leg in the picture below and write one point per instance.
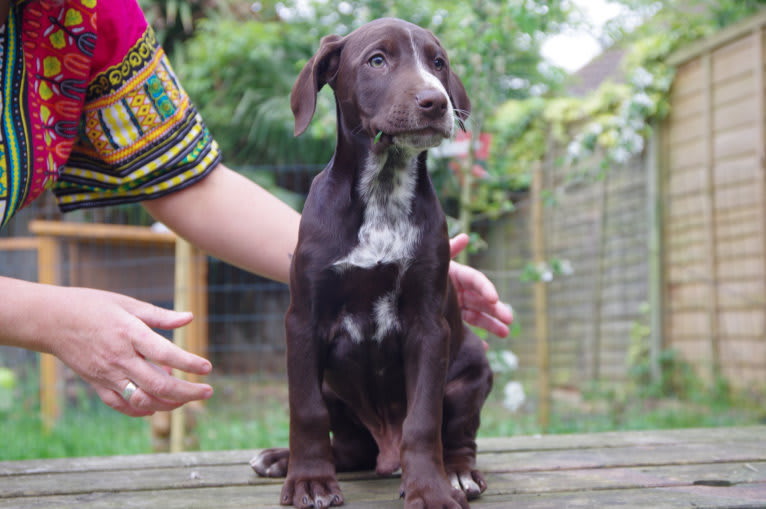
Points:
(424, 481)
(311, 480)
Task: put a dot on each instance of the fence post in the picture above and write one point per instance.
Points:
(710, 218)
(541, 298)
(656, 274)
(181, 302)
(48, 272)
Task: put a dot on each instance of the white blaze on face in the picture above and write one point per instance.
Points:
(431, 81)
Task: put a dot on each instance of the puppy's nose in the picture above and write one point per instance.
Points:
(432, 102)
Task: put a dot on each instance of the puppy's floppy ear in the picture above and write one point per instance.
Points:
(459, 98)
(319, 70)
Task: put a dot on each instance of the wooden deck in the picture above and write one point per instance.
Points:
(711, 468)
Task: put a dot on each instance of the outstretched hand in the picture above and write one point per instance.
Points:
(479, 302)
(108, 340)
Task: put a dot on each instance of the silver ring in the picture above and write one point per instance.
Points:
(128, 391)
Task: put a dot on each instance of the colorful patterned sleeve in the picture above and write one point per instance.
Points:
(139, 135)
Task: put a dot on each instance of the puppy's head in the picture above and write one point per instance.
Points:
(389, 77)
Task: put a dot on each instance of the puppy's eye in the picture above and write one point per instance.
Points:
(439, 63)
(377, 61)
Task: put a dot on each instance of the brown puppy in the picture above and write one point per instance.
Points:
(377, 353)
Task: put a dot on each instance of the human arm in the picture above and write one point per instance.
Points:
(234, 219)
(107, 339)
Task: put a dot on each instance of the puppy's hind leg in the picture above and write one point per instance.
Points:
(271, 462)
(468, 385)
(353, 446)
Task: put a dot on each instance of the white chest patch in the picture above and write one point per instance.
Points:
(387, 234)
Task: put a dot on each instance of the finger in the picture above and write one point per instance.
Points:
(145, 402)
(457, 244)
(115, 401)
(483, 321)
(471, 279)
(157, 317)
(498, 310)
(161, 388)
(158, 349)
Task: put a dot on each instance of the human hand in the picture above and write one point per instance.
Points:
(108, 340)
(479, 302)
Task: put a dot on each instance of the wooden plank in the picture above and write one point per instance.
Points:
(732, 61)
(688, 79)
(486, 445)
(384, 494)
(737, 114)
(18, 243)
(736, 90)
(101, 232)
(685, 129)
(736, 142)
(687, 155)
(687, 110)
(693, 459)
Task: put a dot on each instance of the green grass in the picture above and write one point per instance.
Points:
(250, 413)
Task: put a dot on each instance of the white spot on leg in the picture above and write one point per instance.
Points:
(352, 329)
(385, 313)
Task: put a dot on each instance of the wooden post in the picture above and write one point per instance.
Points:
(196, 340)
(182, 301)
(710, 213)
(760, 140)
(541, 298)
(598, 284)
(656, 274)
(48, 272)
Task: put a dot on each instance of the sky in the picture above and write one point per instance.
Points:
(573, 49)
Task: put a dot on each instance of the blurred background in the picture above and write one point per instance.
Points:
(611, 178)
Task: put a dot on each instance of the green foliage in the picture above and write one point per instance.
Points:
(678, 379)
(240, 74)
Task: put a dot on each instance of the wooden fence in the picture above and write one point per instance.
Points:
(600, 228)
(682, 229)
(715, 206)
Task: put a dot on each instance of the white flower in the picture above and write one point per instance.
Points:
(510, 359)
(504, 361)
(573, 150)
(642, 78)
(620, 155)
(566, 268)
(643, 99)
(514, 396)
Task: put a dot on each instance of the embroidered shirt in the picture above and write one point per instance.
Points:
(92, 109)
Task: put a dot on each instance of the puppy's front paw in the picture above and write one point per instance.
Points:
(271, 462)
(318, 492)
